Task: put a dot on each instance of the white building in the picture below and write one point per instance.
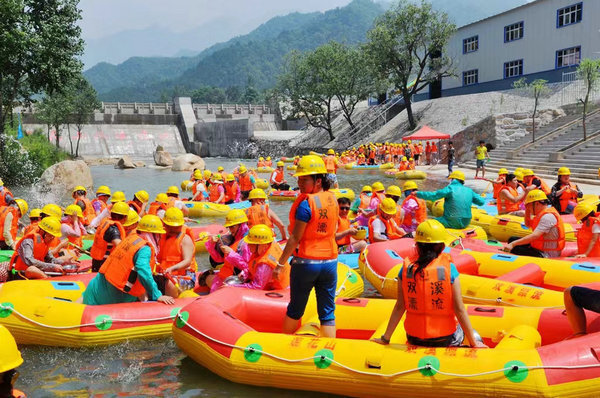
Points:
(539, 40)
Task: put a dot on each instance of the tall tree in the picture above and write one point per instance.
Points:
(84, 102)
(589, 72)
(55, 110)
(39, 49)
(406, 46)
(537, 90)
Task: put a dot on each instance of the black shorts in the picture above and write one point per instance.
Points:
(586, 298)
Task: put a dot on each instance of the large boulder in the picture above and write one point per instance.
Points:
(188, 162)
(64, 176)
(163, 158)
(125, 163)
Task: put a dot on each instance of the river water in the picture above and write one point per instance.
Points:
(154, 367)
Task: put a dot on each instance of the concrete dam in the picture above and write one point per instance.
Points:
(136, 129)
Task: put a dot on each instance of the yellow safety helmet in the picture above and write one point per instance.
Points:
(198, 174)
(152, 224)
(528, 172)
(261, 158)
(121, 208)
(409, 185)
(535, 196)
(367, 188)
(1, 182)
(142, 196)
(173, 189)
(268, 158)
(216, 177)
(582, 210)
(393, 190)
(22, 205)
(519, 175)
(174, 217)
(377, 186)
(242, 169)
(73, 209)
(235, 217)
(404, 159)
(35, 213)
(220, 168)
(103, 190)
(185, 184)
(118, 196)
(259, 235)
(257, 193)
(132, 218)
(388, 206)
(409, 141)
(162, 198)
(11, 356)
(207, 174)
(280, 164)
(519, 170)
(51, 225)
(564, 171)
(411, 159)
(52, 210)
(457, 175)
(431, 231)
(502, 171)
(79, 188)
(230, 177)
(310, 165)
(330, 152)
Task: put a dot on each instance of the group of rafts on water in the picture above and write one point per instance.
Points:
(515, 302)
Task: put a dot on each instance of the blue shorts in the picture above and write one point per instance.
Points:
(306, 274)
(480, 163)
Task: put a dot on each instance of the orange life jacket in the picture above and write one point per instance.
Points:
(3, 194)
(388, 158)
(260, 163)
(365, 201)
(102, 205)
(214, 194)
(227, 269)
(343, 225)
(246, 183)
(403, 166)
(542, 240)
(584, 236)
(506, 206)
(318, 240)
(14, 226)
(277, 176)
(119, 266)
(40, 251)
(172, 201)
(101, 248)
(134, 206)
(498, 187)
(428, 298)
(411, 165)
(231, 191)
(420, 214)
(88, 212)
(31, 228)
(330, 163)
(270, 258)
(390, 228)
(195, 188)
(169, 253)
(258, 214)
(568, 196)
(543, 186)
(155, 207)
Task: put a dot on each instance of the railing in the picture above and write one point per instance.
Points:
(575, 90)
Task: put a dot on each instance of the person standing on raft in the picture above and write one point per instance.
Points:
(457, 203)
(429, 292)
(313, 225)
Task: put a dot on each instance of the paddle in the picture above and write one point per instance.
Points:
(81, 249)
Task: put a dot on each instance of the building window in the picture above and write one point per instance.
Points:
(568, 57)
(513, 68)
(569, 15)
(470, 77)
(513, 32)
(471, 44)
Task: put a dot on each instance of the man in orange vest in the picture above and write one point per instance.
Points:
(564, 193)
(159, 206)
(101, 201)
(9, 222)
(175, 256)
(529, 178)
(35, 216)
(548, 236)
(109, 234)
(345, 231)
(232, 190)
(277, 179)
(260, 212)
(174, 201)
(331, 164)
(382, 227)
(126, 275)
(246, 181)
(6, 196)
(80, 199)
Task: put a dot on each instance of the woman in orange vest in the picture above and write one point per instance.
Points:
(277, 179)
(588, 244)
(509, 199)
(216, 192)
(499, 183)
(9, 222)
(101, 201)
(80, 199)
(72, 228)
(382, 227)
(429, 292)
(175, 256)
(109, 234)
(126, 275)
(345, 231)
(313, 224)
(246, 181)
(260, 212)
(265, 252)
(403, 164)
(232, 190)
(564, 193)
(548, 236)
(414, 210)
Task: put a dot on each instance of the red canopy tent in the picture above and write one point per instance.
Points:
(427, 133)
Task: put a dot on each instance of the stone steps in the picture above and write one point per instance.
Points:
(586, 177)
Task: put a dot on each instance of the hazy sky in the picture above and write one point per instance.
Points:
(105, 17)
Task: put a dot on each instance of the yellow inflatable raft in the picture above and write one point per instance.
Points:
(206, 209)
(264, 170)
(505, 226)
(261, 183)
(386, 166)
(238, 336)
(411, 175)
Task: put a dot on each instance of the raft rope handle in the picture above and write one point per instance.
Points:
(342, 285)
(9, 308)
(403, 372)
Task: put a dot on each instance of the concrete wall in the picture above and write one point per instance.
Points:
(223, 137)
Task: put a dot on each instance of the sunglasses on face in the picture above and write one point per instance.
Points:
(344, 208)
